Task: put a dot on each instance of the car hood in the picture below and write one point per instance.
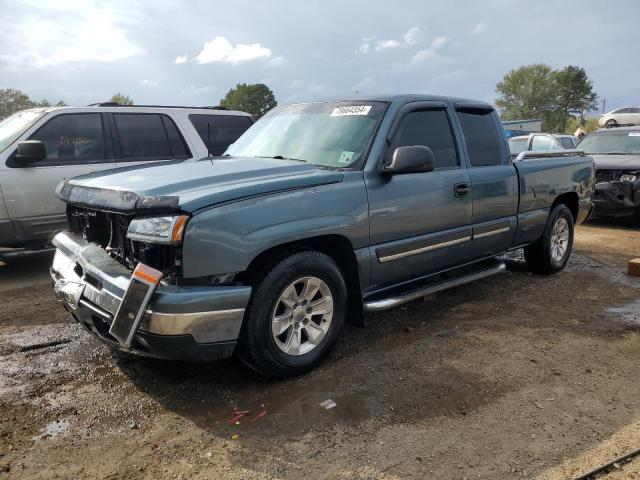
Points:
(190, 185)
(616, 162)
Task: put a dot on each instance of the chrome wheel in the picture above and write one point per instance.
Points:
(302, 316)
(559, 239)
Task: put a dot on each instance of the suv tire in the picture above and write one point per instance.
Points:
(295, 314)
(552, 251)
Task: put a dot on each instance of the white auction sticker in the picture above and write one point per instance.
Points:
(351, 110)
(345, 157)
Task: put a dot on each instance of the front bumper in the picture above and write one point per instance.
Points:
(616, 199)
(186, 322)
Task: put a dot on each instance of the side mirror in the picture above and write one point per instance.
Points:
(410, 159)
(31, 151)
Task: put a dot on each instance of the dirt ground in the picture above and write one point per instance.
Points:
(516, 376)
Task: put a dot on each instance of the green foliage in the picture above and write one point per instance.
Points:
(256, 99)
(12, 101)
(590, 124)
(121, 99)
(538, 91)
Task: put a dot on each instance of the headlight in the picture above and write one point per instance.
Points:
(628, 178)
(164, 230)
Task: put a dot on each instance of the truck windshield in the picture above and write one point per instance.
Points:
(14, 126)
(613, 143)
(329, 134)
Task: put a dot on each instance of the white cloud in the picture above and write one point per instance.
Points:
(478, 28)
(387, 44)
(148, 83)
(413, 36)
(363, 49)
(222, 50)
(427, 55)
(278, 61)
(180, 59)
(91, 32)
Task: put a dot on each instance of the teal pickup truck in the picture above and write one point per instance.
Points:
(316, 214)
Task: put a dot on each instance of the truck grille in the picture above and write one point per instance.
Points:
(109, 230)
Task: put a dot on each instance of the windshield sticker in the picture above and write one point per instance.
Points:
(345, 157)
(351, 110)
(634, 134)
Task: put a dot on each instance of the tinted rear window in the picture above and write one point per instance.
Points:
(148, 136)
(223, 130)
(481, 136)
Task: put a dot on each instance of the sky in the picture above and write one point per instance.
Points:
(193, 52)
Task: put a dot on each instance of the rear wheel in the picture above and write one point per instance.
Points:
(296, 312)
(551, 253)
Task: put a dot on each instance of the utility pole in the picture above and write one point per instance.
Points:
(604, 104)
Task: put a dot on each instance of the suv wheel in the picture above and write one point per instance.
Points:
(551, 253)
(296, 312)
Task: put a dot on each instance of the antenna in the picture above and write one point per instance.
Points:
(208, 138)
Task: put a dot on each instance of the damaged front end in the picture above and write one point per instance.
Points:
(617, 193)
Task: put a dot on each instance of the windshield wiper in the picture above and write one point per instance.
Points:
(282, 157)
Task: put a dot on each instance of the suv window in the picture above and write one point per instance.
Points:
(567, 143)
(432, 129)
(482, 140)
(73, 138)
(543, 143)
(223, 130)
(148, 136)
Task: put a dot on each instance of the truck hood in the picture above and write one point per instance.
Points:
(617, 162)
(190, 185)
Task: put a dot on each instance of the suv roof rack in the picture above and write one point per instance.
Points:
(116, 104)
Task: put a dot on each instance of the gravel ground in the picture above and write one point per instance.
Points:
(515, 376)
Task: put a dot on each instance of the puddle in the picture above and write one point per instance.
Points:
(629, 314)
(54, 429)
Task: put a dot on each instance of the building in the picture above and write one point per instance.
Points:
(528, 126)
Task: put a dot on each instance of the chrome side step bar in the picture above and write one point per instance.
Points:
(391, 302)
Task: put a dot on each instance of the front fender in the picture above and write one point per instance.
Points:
(226, 238)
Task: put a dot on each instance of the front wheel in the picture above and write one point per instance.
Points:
(296, 312)
(611, 123)
(552, 251)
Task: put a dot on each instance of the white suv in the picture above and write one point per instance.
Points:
(41, 146)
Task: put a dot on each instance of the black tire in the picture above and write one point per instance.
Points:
(257, 346)
(611, 123)
(539, 255)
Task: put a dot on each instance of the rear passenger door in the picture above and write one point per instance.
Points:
(420, 222)
(494, 180)
(219, 131)
(145, 137)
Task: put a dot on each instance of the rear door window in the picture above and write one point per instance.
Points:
(567, 143)
(73, 138)
(481, 137)
(432, 129)
(219, 131)
(148, 136)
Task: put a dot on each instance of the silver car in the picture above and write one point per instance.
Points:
(42, 146)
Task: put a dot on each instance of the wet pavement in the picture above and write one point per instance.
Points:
(515, 376)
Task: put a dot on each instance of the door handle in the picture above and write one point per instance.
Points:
(462, 190)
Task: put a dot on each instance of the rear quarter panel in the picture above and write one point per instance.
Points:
(541, 181)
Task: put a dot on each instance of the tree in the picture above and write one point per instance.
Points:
(12, 101)
(589, 123)
(575, 95)
(538, 91)
(527, 92)
(121, 99)
(256, 99)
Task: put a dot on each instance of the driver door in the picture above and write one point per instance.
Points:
(420, 223)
